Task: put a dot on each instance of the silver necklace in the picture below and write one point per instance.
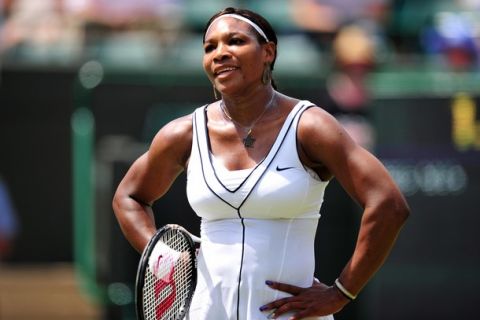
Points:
(249, 139)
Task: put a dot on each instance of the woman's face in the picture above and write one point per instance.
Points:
(233, 58)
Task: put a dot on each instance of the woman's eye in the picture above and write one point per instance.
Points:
(208, 48)
(236, 41)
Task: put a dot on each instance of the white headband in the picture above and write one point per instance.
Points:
(239, 17)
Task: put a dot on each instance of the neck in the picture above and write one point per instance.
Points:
(246, 109)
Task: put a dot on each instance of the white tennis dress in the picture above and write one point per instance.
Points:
(257, 224)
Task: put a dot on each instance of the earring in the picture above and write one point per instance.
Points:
(267, 74)
(215, 92)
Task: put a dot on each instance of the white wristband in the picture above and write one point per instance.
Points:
(342, 289)
(162, 260)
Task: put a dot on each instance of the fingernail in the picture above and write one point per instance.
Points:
(268, 282)
(271, 316)
(263, 308)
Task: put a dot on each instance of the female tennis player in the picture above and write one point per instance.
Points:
(257, 164)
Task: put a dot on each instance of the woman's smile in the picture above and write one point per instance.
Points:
(225, 71)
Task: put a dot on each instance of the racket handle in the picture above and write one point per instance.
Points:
(195, 238)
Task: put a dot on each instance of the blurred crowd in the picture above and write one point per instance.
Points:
(342, 39)
(64, 31)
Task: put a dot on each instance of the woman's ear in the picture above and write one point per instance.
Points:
(270, 51)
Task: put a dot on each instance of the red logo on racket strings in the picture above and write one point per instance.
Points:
(167, 281)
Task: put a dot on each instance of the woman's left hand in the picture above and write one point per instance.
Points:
(317, 300)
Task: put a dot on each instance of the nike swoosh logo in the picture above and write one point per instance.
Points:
(285, 168)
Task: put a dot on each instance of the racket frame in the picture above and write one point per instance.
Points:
(143, 267)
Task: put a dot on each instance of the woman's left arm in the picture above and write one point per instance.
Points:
(325, 144)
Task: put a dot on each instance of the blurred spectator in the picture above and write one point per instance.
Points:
(130, 14)
(5, 9)
(5, 6)
(322, 19)
(64, 30)
(454, 34)
(346, 95)
(8, 221)
(39, 30)
(127, 30)
(469, 4)
(349, 30)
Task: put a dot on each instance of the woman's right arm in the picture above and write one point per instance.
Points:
(149, 178)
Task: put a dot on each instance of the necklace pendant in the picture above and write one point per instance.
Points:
(249, 141)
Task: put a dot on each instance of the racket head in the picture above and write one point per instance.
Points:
(169, 296)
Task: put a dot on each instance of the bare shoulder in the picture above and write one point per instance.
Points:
(176, 129)
(173, 141)
(324, 145)
(317, 126)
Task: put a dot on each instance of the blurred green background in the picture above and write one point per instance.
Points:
(85, 85)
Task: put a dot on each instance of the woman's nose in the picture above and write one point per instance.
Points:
(221, 53)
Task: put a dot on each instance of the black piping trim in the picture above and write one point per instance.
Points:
(273, 157)
(300, 109)
(296, 137)
(213, 167)
(201, 163)
(296, 141)
(241, 184)
(241, 266)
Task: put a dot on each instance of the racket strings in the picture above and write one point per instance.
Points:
(165, 297)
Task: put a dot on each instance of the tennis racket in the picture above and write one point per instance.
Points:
(166, 275)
